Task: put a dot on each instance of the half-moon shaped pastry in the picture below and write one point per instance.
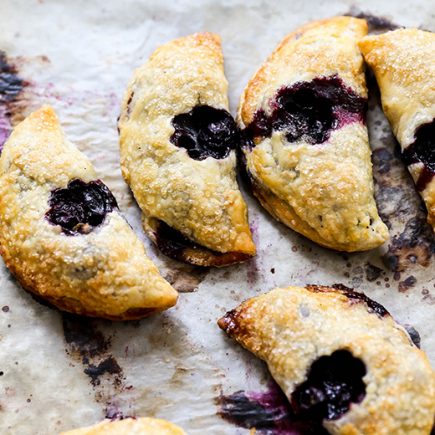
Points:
(61, 233)
(404, 65)
(130, 426)
(340, 358)
(178, 143)
(306, 148)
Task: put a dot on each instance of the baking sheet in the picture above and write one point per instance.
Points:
(58, 371)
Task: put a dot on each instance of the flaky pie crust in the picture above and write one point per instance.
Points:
(325, 191)
(200, 199)
(105, 273)
(404, 65)
(290, 328)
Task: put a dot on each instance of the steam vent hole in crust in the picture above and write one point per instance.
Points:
(309, 111)
(80, 207)
(333, 383)
(205, 132)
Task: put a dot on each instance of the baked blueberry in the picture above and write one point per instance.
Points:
(333, 383)
(81, 206)
(205, 132)
(10, 83)
(310, 110)
(422, 150)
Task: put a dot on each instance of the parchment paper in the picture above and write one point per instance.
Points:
(57, 371)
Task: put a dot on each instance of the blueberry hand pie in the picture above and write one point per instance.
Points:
(178, 143)
(404, 65)
(130, 426)
(340, 358)
(61, 233)
(305, 147)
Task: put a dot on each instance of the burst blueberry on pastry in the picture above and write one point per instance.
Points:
(340, 358)
(130, 426)
(306, 147)
(61, 233)
(177, 142)
(404, 65)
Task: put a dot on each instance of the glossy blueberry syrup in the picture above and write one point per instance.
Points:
(205, 132)
(333, 383)
(80, 207)
(422, 150)
(269, 412)
(309, 111)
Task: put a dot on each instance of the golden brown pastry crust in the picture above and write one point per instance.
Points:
(404, 66)
(198, 198)
(325, 191)
(105, 273)
(130, 426)
(292, 327)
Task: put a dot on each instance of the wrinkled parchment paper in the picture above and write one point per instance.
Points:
(57, 371)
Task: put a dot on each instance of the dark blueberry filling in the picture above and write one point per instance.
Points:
(375, 23)
(269, 412)
(353, 296)
(373, 306)
(205, 132)
(10, 84)
(414, 335)
(309, 111)
(175, 245)
(333, 383)
(422, 150)
(171, 242)
(81, 206)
